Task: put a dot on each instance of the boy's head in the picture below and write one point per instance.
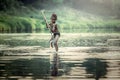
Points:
(53, 17)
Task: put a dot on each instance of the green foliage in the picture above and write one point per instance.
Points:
(8, 4)
(68, 22)
(27, 18)
(18, 24)
(58, 1)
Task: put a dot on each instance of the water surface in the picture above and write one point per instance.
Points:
(82, 56)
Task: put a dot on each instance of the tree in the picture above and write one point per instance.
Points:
(8, 4)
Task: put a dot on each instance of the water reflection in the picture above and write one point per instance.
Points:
(54, 64)
(36, 67)
(96, 67)
(76, 64)
(89, 68)
(69, 68)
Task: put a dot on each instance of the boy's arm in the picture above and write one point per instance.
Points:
(47, 25)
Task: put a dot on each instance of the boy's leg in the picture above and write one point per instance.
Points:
(55, 42)
(51, 41)
(51, 46)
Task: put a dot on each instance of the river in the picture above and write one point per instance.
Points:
(81, 56)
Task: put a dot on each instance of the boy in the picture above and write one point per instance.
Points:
(55, 32)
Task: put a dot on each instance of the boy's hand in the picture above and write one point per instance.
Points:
(47, 25)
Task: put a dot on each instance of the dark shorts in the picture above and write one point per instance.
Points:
(56, 34)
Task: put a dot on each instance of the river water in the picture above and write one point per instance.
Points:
(81, 56)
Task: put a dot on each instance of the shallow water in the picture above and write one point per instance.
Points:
(82, 57)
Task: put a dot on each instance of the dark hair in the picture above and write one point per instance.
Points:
(54, 15)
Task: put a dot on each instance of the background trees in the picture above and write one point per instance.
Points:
(14, 14)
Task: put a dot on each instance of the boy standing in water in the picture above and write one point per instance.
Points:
(55, 32)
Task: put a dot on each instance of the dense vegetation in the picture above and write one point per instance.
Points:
(25, 15)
